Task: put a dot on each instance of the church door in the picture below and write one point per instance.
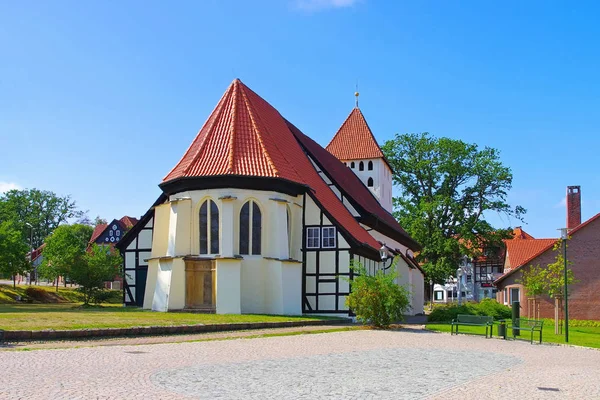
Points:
(200, 285)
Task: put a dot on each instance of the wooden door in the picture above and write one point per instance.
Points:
(200, 285)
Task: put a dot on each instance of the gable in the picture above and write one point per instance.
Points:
(354, 192)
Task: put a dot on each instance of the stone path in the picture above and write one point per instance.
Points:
(362, 364)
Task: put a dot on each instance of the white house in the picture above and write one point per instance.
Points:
(257, 217)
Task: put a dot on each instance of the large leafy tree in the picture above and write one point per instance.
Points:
(101, 263)
(37, 213)
(65, 250)
(446, 187)
(13, 251)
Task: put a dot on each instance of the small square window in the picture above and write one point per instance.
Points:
(329, 237)
(313, 236)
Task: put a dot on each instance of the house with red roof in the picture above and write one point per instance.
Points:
(583, 250)
(256, 217)
(110, 234)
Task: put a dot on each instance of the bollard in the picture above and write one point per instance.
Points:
(516, 312)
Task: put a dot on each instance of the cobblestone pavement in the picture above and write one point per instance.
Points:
(408, 364)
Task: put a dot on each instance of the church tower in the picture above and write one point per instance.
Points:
(355, 145)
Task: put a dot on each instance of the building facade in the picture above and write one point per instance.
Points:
(258, 218)
(583, 251)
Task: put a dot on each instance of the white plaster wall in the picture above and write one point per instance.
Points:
(274, 288)
(229, 287)
(382, 179)
(150, 284)
(253, 281)
(291, 288)
(419, 292)
(160, 298)
(177, 285)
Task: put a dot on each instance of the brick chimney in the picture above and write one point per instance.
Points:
(573, 206)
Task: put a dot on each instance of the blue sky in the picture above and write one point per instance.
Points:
(100, 99)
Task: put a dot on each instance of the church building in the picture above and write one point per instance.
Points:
(257, 217)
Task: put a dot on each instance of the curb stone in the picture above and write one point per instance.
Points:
(49, 334)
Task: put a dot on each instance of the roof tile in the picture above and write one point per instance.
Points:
(354, 140)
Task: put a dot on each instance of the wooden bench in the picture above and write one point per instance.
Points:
(472, 320)
(528, 325)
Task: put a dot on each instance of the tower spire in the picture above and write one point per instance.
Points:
(356, 94)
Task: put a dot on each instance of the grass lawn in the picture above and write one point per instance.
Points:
(8, 294)
(578, 335)
(70, 316)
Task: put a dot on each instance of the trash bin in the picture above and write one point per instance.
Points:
(502, 328)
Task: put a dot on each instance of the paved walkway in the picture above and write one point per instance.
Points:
(363, 364)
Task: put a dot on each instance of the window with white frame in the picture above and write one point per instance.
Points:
(514, 295)
(313, 237)
(328, 237)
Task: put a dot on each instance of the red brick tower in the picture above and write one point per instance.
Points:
(573, 206)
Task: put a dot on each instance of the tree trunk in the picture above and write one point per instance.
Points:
(14, 281)
(557, 315)
(57, 280)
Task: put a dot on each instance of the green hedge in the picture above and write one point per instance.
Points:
(575, 323)
(489, 307)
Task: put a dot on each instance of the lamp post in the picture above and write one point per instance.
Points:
(431, 300)
(30, 247)
(564, 235)
(459, 274)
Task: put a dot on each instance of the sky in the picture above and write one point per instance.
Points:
(99, 100)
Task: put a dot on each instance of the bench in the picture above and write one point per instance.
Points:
(525, 324)
(472, 320)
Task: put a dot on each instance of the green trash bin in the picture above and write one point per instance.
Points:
(502, 328)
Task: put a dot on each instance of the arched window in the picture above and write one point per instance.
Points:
(370, 166)
(361, 166)
(209, 228)
(352, 164)
(250, 228)
(370, 182)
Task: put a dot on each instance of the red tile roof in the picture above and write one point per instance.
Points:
(355, 189)
(548, 246)
(519, 233)
(245, 135)
(128, 222)
(354, 140)
(518, 251)
(98, 231)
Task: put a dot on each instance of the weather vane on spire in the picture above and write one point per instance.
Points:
(356, 94)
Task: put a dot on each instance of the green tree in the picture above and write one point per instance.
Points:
(37, 213)
(555, 274)
(65, 250)
(377, 299)
(101, 263)
(446, 187)
(534, 282)
(13, 251)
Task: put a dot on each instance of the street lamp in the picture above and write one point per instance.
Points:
(431, 301)
(383, 253)
(459, 273)
(564, 235)
(30, 246)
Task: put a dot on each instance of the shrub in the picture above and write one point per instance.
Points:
(489, 307)
(107, 296)
(377, 299)
(37, 294)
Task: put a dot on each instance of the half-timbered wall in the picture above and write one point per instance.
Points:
(135, 259)
(325, 270)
